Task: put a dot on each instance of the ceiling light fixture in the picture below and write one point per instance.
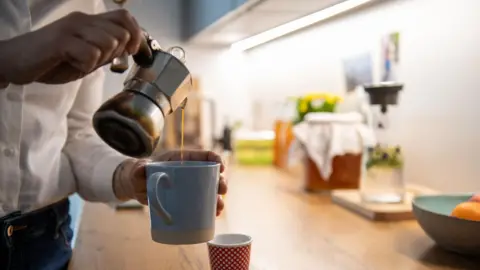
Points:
(296, 25)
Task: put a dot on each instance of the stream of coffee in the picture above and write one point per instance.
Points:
(182, 134)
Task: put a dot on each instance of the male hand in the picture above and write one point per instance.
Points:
(69, 48)
(130, 180)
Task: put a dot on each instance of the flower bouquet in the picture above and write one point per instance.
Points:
(315, 102)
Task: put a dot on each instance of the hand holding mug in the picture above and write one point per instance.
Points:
(130, 178)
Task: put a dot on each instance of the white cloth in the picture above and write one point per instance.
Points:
(326, 135)
(48, 147)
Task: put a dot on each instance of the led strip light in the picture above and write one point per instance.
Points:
(296, 25)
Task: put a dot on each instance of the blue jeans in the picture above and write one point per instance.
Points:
(36, 241)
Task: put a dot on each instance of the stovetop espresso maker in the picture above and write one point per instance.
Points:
(132, 121)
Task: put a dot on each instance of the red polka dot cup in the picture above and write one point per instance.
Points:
(230, 252)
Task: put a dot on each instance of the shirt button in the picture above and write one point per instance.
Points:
(13, 96)
(9, 152)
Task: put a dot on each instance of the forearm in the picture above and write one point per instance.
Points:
(94, 165)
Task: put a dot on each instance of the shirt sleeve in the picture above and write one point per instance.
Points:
(93, 161)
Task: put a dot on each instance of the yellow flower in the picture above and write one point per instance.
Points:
(314, 96)
(303, 106)
(327, 97)
(331, 99)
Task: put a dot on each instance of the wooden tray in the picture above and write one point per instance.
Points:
(350, 199)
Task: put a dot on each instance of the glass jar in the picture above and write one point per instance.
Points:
(383, 180)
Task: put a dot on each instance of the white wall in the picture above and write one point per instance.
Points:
(222, 78)
(437, 121)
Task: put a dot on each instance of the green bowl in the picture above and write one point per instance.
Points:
(454, 234)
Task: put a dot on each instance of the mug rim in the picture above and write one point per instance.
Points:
(183, 164)
(247, 242)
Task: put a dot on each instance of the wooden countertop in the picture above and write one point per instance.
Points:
(290, 230)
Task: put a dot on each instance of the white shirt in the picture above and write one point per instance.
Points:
(48, 148)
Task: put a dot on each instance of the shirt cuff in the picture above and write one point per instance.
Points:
(103, 176)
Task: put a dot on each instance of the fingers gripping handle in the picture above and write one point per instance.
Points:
(155, 183)
(148, 46)
(119, 64)
(143, 58)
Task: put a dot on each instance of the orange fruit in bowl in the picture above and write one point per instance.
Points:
(467, 210)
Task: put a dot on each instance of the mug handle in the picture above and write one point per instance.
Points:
(154, 184)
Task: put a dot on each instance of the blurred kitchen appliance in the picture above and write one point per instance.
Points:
(132, 121)
(384, 94)
(254, 147)
(225, 141)
(283, 132)
(383, 183)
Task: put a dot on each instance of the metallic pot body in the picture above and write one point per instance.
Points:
(132, 121)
